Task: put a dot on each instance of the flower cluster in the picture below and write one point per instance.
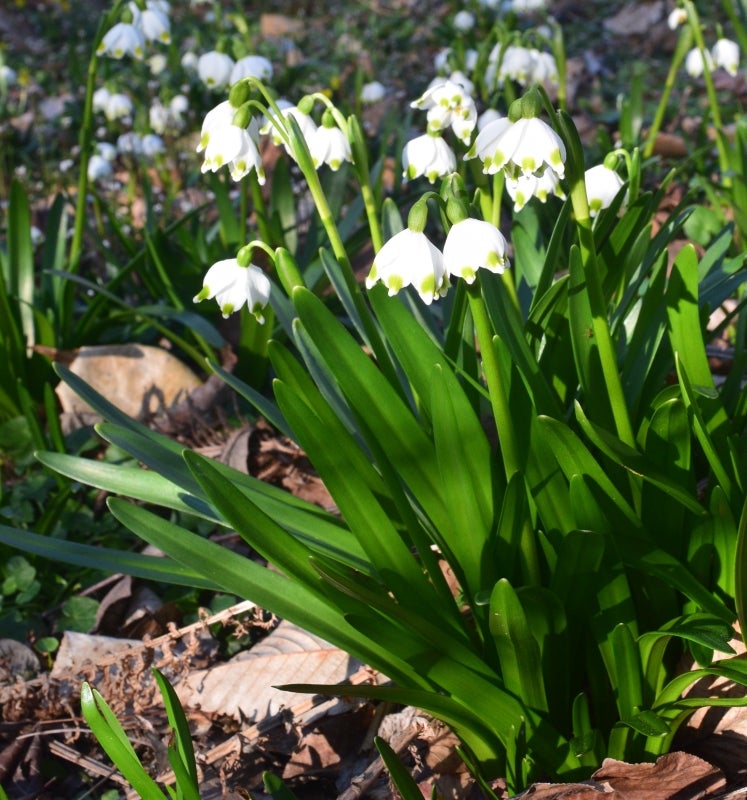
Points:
(524, 65)
(723, 55)
(150, 24)
(409, 258)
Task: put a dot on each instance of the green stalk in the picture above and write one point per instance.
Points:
(683, 45)
(599, 320)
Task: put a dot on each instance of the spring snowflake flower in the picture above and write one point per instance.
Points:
(158, 117)
(123, 39)
(427, 155)
(526, 147)
(448, 104)
(130, 144)
(214, 69)
(99, 168)
(118, 106)
(695, 63)
(372, 92)
(152, 145)
(190, 61)
(464, 21)
(676, 18)
(100, 99)
(474, 244)
(725, 54)
(305, 123)
(226, 143)
(329, 145)
(486, 142)
(522, 188)
(251, 67)
(409, 259)
(155, 25)
(528, 6)
(602, 186)
(106, 150)
(8, 76)
(233, 285)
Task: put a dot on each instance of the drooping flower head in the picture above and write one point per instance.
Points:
(474, 244)
(602, 186)
(214, 69)
(427, 155)
(725, 54)
(233, 286)
(448, 103)
(523, 188)
(328, 144)
(251, 67)
(123, 39)
(224, 142)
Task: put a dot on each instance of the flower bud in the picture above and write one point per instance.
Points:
(244, 256)
(418, 216)
(306, 104)
(243, 116)
(239, 94)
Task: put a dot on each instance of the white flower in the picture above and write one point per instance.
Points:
(676, 18)
(528, 146)
(178, 105)
(486, 142)
(99, 168)
(725, 54)
(129, 144)
(190, 61)
(464, 21)
(409, 259)
(427, 155)
(124, 39)
(158, 116)
(694, 62)
(523, 187)
(517, 64)
(233, 285)
(251, 67)
(159, 5)
(118, 106)
(226, 143)
(448, 104)
(155, 25)
(246, 159)
(544, 68)
(602, 186)
(305, 123)
(487, 116)
(152, 145)
(214, 69)
(157, 63)
(372, 92)
(8, 76)
(329, 145)
(528, 6)
(100, 99)
(473, 244)
(106, 151)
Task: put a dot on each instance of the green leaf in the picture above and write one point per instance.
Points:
(401, 778)
(518, 651)
(154, 568)
(276, 788)
(112, 738)
(20, 274)
(740, 573)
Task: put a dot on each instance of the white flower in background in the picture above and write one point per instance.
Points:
(232, 286)
(409, 259)
(214, 69)
(528, 146)
(305, 123)
(694, 63)
(100, 99)
(544, 68)
(158, 116)
(522, 188)
(427, 155)
(448, 104)
(106, 150)
(159, 5)
(37, 236)
(129, 144)
(676, 18)
(474, 244)
(99, 168)
(486, 142)
(155, 25)
(123, 39)
(464, 21)
(372, 92)
(517, 65)
(528, 6)
(487, 116)
(462, 80)
(329, 145)
(178, 105)
(725, 54)
(157, 63)
(8, 76)
(602, 186)
(152, 145)
(247, 158)
(441, 60)
(189, 61)
(118, 106)
(251, 67)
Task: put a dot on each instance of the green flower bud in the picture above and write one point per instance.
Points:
(239, 93)
(418, 216)
(306, 104)
(244, 256)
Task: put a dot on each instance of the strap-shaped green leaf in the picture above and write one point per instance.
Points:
(518, 650)
(400, 775)
(740, 572)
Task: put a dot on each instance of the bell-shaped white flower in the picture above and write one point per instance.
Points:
(329, 145)
(153, 145)
(123, 39)
(99, 169)
(527, 146)
(676, 18)
(725, 54)
(523, 188)
(486, 142)
(106, 150)
(409, 259)
(233, 285)
(305, 123)
(372, 92)
(129, 144)
(448, 104)
(100, 99)
(247, 158)
(474, 244)
(464, 21)
(696, 61)
(427, 155)
(214, 69)
(155, 25)
(226, 143)
(8, 76)
(118, 106)
(602, 186)
(251, 67)
(528, 6)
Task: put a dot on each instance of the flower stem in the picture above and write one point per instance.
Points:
(599, 321)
